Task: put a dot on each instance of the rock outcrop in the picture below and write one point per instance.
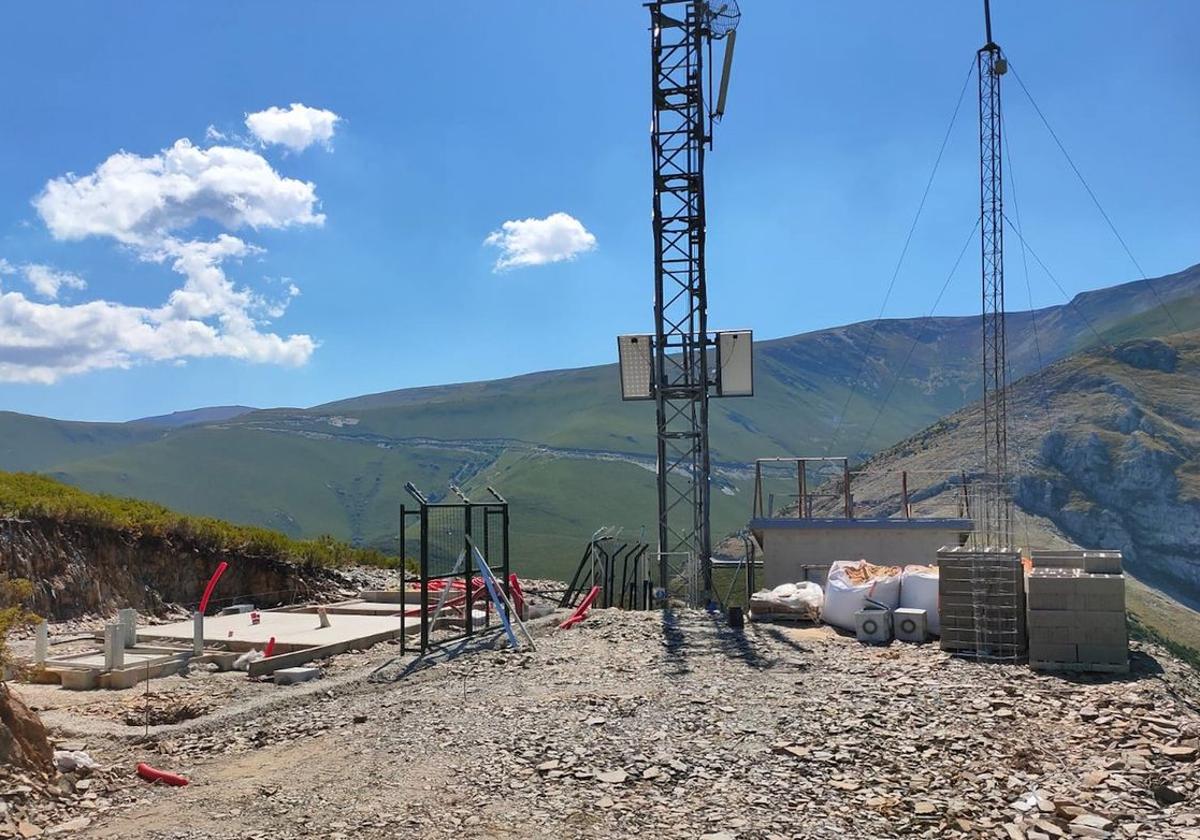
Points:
(1105, 446)
(79, 569)
(23, 741)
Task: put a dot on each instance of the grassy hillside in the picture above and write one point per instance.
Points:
(27, 496)
(561, 445)
(35, 443)
(296, 484)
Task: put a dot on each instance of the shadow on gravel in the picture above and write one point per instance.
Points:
(736, 644)
(683, 636)
(782, 638)
(1142, 666)
(397, 669)
(674, 643)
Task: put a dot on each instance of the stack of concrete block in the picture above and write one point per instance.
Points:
(1077, 612)
(981, 595)
(1094, 562)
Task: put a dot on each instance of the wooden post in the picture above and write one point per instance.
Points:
(802, 476)
(846, 483)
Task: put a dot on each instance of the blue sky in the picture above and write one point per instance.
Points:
(454, 118)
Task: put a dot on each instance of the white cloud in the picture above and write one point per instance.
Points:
(208, 316)
(141, 200)
(527, 242)
(296, 127)
(147, 204)
(47, 281)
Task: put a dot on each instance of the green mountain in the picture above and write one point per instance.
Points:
(195, 416)
(560, 445)
(35, 443)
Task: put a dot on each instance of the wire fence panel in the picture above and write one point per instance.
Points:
(449, 596)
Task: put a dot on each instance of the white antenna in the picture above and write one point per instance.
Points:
(730, 41)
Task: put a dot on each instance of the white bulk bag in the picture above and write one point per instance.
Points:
(844, 597)
(919, 591)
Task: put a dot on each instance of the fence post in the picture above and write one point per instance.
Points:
(467, 573)
(403, 582)
(504, 548)
(846, 480)
(803, 511)
(424, 578)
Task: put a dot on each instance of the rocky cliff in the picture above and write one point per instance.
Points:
(1104, 450)
(80, 569)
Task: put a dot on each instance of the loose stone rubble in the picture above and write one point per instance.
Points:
(665, 726)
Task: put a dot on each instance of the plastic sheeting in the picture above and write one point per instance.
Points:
(795, 600)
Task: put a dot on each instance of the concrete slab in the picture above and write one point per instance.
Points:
(362, 608)
(96, 660)
(292, 630)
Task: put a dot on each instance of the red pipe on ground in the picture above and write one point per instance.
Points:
(581, 611)
(518, 594)
(212, 584)
(151, 774)
(270, 648)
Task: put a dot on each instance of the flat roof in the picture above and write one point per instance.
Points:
(942, 524)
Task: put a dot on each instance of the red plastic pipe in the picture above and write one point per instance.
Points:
(212, 584)
(518, 594)
(151, 774)
(581, 611)
(270, 648)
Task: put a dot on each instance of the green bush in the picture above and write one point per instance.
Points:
(14, 595)
(32, 496)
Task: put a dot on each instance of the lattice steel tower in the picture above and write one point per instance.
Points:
(682, 32)
(996, 501)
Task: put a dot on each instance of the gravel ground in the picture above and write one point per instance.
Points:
(668, 725)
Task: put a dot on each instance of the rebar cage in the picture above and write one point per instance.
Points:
(446, 532)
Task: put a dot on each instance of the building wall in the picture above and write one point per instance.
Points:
(791, 555)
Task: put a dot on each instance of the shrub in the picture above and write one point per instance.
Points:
(14, 595)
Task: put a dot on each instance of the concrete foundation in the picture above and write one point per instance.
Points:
(91, 670)
(299, 636)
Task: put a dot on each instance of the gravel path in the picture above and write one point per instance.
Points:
(676, 726)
